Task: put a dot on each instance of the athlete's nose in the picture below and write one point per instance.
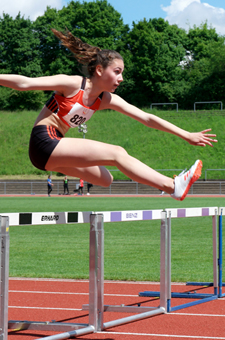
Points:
(120, 78)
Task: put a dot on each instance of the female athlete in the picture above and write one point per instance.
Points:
(74, 101)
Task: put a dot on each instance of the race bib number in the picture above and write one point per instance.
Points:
(78, 115)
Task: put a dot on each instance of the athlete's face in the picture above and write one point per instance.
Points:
(112, 75)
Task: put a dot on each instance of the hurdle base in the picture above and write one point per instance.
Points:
(16, 326)
(199, 298)
(192, 303)
(132, 318)
(178, 295)
(204, 284)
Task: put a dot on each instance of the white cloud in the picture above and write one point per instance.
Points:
(187, 13)
(28, 8)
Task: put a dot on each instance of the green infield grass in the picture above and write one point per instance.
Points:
(132, 249)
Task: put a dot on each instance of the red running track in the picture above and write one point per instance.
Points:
(62, 300)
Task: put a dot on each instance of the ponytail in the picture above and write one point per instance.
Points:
(85, 54)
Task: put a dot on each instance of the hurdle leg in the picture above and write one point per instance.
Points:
(164, 261)
(4, 276)
(215, 255)
(168, 269)
(220, 261)
(96, 272)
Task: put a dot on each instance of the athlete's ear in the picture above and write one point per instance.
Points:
(99, 70)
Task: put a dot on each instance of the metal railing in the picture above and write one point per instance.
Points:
(207, 170)
(155, 104)
(207, 102)
(116, 188)
(216, 102)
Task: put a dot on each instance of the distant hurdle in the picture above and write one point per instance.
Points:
(96, 305)
(198, 298)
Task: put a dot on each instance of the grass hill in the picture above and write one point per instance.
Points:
(155, 148)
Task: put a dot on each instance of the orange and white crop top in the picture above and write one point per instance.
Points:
(71, 110)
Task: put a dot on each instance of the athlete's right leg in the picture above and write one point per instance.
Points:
(89, 156)
(85, 154)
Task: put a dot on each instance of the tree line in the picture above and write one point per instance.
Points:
(163, 63)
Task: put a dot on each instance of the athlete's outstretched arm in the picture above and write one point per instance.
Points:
(59, 82)
(201, 138)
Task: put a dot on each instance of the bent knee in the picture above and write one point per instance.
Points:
(107, 180)
(120, 150)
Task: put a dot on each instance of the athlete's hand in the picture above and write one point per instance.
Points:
(202, 138)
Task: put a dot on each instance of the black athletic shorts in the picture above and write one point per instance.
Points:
(43, 141)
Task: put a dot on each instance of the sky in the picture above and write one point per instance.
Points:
(184, 13)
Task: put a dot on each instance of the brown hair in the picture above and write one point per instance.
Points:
(85, 54)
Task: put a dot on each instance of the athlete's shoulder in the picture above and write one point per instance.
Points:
(110, 100)
(70, 80)
(72, 84)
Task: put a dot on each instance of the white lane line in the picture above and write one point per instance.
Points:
(65, 293)
(197, 314)
(166, 335)
(87, 281)
(46, 308)
(78, 309)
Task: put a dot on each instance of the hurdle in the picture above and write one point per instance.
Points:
(220, 259)
(96, 305)
(202, 298)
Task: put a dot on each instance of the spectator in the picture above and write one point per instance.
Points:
(66, 188)
(81, 187)
(89, 186)
(50, 185)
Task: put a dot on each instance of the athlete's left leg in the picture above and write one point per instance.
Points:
(97, 175)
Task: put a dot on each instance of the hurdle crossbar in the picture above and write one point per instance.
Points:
(46, 218)
(202, 298)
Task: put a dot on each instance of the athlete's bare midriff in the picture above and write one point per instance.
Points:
(46, 117)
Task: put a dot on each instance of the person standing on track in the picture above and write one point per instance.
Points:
(81, 187)
(65, 186)
(89, 186)
(49, 185)
(74, 101)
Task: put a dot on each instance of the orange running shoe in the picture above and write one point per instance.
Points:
(184, 181)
